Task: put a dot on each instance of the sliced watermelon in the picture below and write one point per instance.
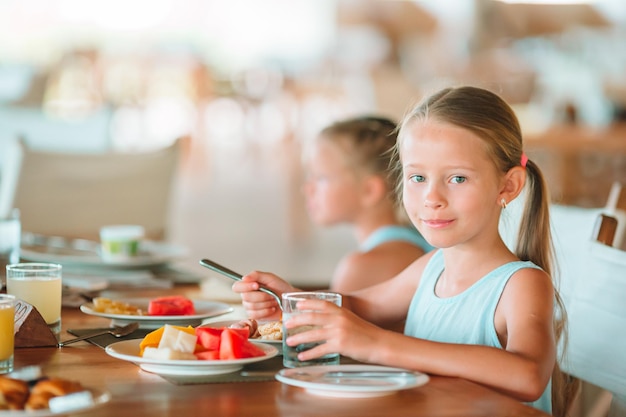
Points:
(172, 305)
(234, 344)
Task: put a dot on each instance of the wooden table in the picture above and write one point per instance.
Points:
(138, 393)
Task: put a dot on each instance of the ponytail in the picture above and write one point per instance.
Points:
(535, 244)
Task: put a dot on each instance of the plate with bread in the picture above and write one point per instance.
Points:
(46, 397)
(127, 310)
(260, 331)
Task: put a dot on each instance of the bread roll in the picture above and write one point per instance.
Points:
(14, 393)
(38, 401)
(271, 331)
(46, 389)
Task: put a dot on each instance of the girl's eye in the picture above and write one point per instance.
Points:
(416, 178)
(458, 180)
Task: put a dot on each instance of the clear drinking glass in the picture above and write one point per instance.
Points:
(39, 284)
(7, 339)
(290, 353)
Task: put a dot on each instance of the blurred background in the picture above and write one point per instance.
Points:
(247, 83)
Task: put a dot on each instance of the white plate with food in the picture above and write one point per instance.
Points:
(351, 381)
(262, 331)
(203, 310)
(151, 253)
(99, 398)
(128, 350)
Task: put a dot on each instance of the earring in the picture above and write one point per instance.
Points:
(503, 203)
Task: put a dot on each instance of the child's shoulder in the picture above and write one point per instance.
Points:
(528, 273)
(529, 283)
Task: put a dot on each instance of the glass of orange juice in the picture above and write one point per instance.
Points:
(7, 332)
(39, 284)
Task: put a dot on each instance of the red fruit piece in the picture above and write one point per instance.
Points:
(234, 344)
(173, 305)
(209, 337)
(210, 355)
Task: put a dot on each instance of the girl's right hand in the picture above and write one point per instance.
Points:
(259, 305)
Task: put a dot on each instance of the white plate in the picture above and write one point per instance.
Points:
(151, 253)
(128, 350)
(227, 323)
(312, 379)
(204, 310)
(99, 398)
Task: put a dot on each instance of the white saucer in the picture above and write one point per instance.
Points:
(314, 380)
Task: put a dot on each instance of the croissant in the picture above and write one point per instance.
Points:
(46, 389)
(13, 393)
(38, 401)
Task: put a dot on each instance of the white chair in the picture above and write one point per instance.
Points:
(74, 194)
(593, 287)
(43, 132)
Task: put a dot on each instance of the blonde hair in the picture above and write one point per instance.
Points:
(490, 118)
(369, 143)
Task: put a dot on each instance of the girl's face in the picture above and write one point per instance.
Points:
(450, 186)
(331, 189)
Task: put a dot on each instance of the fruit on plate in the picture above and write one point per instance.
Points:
(171, 305)
(153, 338)
(227, 342)
(235, 345)
(204, 343)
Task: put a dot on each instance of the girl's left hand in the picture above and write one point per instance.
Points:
(338, 329)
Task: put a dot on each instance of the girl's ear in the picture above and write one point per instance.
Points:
(512, 184)
(374, 190)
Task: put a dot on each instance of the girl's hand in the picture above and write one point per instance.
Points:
(338, 329)
(259, 305)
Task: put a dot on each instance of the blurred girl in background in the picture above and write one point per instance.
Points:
(350, 181)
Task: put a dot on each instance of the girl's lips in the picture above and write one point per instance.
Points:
(437, 223)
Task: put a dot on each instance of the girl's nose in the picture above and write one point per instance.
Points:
(433, 198)
(432, 204)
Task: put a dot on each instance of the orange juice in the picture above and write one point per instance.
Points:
(7, 319)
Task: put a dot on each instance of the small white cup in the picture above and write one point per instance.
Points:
(120, 242)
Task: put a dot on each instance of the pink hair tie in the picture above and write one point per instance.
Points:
(524, 159)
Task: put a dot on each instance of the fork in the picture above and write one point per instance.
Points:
(117, 332)
(235, 276)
